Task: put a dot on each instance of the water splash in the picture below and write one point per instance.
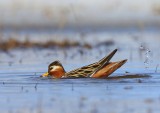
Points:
(147, 61)
(142, 47)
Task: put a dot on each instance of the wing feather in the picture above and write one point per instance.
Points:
(89, 70)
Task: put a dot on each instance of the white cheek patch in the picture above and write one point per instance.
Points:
(54, 67)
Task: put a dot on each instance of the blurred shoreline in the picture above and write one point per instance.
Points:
(79, 14)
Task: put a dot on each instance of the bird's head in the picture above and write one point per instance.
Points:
(55, 69)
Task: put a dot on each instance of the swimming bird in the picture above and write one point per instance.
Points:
(101, 69)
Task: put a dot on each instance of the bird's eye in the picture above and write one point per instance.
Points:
(51, 68)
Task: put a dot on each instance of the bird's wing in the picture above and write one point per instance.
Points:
(107, 58)
(89, 70)
(84, 71)
(104, 61)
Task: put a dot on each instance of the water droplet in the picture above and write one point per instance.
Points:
(147, 58)
(141, 47)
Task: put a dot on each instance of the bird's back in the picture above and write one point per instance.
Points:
(88, 70)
